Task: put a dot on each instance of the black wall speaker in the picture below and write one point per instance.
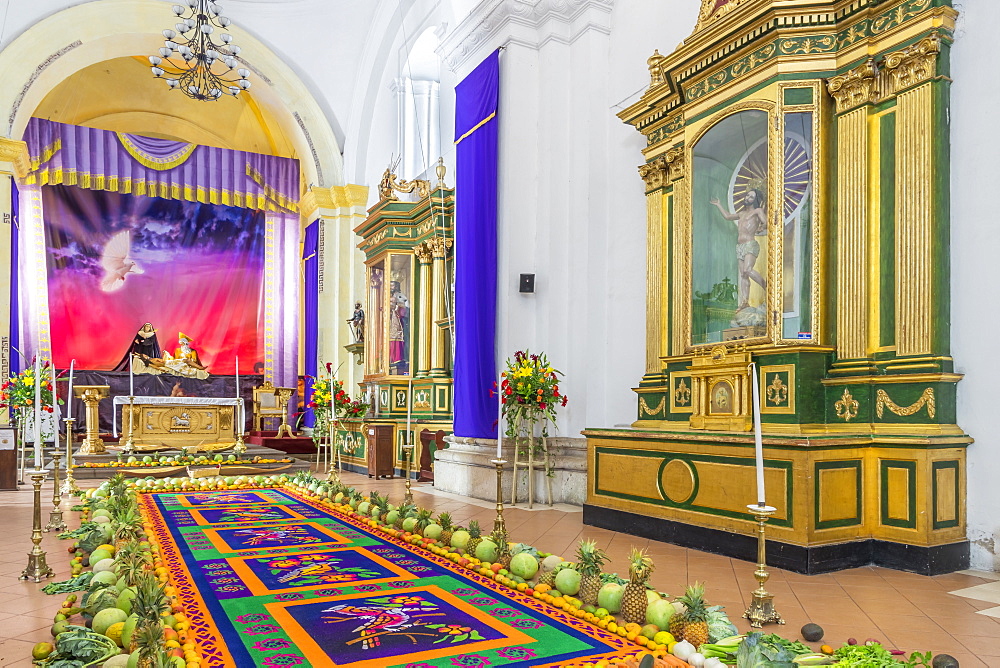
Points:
(527, 283)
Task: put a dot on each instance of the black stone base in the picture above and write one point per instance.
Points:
(807, 560)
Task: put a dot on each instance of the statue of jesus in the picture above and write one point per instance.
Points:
(751, 222)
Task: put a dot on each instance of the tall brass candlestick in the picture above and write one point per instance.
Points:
(240, 446)
(69, 487)
(499, 526)
(128, 447)
(37, 568)
(56, 522)
(761, 610)
(408, 451)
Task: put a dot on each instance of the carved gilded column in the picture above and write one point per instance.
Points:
(915, 196)
(426, 325)
(13, 163)
(654, 173)
(678, 301)
(853, 92)
(439, 313)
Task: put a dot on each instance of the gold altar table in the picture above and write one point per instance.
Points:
(179, 422)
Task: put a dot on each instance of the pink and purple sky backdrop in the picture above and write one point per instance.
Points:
(203, 276)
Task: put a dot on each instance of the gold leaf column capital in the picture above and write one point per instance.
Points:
(913, 65)
(855, 87)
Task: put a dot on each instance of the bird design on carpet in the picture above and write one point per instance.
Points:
(117, 262)
(376, 621)
(326, 571)
(277, 534)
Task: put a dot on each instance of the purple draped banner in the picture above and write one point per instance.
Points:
(310, 261)
(135, 165)
(476, 249)
(15, 288)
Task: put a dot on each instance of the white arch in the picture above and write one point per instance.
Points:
(59, 45)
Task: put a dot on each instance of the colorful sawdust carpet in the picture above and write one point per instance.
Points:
(271, 579)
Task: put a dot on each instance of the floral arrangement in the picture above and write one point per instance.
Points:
(329, 393)
(530, 393)
(19, 392)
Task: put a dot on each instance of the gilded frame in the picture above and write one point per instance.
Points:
(774, 223)
(385, 258)
(818, 217)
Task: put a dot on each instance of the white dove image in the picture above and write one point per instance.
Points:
(117, 263)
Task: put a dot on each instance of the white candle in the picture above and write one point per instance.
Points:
(237, 376)
(69, 398)
(499, 413)
(758, 440)
(38, 411)
(131, 378)
(409, 406)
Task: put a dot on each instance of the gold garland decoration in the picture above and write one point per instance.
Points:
(882, 401)
(646, 410)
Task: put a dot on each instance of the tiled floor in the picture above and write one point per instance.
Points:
(902, 610)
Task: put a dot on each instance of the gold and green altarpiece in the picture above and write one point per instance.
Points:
(409, 269)
(796, 176)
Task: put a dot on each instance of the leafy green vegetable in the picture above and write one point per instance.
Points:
(754, 653)
(794, 647)
(76, 533)
(79, 583)
(78, 647)
(719, 626)
(869, 655)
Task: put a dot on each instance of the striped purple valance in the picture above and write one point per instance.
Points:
(137, 165)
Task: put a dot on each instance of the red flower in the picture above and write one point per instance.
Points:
(542, 405)
(555, 393)
(565, 399)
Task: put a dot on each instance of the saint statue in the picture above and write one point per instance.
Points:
(398, 315)
(357, 323)
(751, 222)
(183, 362)
(144, 344)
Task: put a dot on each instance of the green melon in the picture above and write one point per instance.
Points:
(119, 661)
(99, 513)
(105, 618)
(409, 524)
(106, 577)
(524, 565)
(133, 660)
(610, 598)
(363, 507)
(568, 581)
(129, 629)
(486, 550)
(659, 613)
(460, 539)
(103, 564)
(390, 517)
(433, 531)
(125, 599)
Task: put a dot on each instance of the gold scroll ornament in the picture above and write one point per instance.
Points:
(646, 410)
(882, 401)
(847, 406)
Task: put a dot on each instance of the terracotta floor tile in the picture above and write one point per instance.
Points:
(978, 644)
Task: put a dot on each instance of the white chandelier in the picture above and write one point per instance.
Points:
(206, 69)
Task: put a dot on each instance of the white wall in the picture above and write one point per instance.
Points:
(975, 243)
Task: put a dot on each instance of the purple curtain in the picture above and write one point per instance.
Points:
(476, 249)
(135, 165)
(311, 262)
(14, 269)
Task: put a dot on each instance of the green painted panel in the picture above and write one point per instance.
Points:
(692, 459)
(935, 467)
(798, 96)
(887, 230)
(847, 521)
(911, 471)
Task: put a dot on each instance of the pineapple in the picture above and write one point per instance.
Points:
(475, 538)
(590, 559)
(405, 510)
(692, 624)
(549, 578)
(381, 503)
(634, 601)
(499, 538)
(444, 520)
(423, 519)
